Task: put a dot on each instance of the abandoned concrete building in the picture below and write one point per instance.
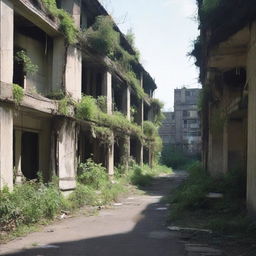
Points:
(226, 54)
(182, 128)
(38, 130)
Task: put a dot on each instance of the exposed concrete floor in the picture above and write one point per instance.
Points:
(137, 227)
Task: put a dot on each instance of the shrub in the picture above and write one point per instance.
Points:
(92, 174)
(18, 93)
(87, 108)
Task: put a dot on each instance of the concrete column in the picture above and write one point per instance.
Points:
(66, 154)
(6, 147)
(107, 90)
(251, 150)
(6, 41)
(125, 151)
(110, 159)
(139, 152)
(17, 149)
(73, 75)
(74, 8)
(67, 64)
(126, 104)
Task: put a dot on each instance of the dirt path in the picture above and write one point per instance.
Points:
(136, 227)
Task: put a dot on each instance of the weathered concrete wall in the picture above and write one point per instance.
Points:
(36, 50)
(66, 154)
(74, 8)
(6, 147)
(251, 159)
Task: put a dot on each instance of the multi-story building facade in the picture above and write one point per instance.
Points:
(34, 134)
(187, 120)
(181, 128)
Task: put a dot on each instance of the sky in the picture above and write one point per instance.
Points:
(164, 33)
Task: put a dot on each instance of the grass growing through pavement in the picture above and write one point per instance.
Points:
(34, 202)
(190, 207)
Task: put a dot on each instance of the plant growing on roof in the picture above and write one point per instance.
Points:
(28, 67)
(67, 24)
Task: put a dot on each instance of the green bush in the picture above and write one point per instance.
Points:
(87, 108)
(28, 204)
(92, 174)
(18, 93)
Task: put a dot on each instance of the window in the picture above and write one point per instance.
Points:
(185, 113)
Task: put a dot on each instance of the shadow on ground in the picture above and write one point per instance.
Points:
(148, 238)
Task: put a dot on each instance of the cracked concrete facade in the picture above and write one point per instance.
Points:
(33, 136)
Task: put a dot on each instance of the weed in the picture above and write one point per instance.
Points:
(18, 93)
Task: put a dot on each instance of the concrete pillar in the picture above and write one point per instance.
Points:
(66, 154)
(6, 147)
(107, 90)
(251, 150)
(19, 175)
(67, 64)
(126, 104)
(125, 151)
(74, 8)
(139, 152)
(6, 75)
(110, 159)
(6, 41)
(218, 146)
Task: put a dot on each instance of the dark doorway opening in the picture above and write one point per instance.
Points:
(30, 155)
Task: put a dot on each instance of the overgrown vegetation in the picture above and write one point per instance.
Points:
(176, 158)
(28, 67)
(105, 40)
(157, 107)
(88, 109)
(192, 207)
(35, 201)
(18, 93)
(67, 24)
(65, 106)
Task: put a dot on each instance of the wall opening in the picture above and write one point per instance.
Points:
(30, 154)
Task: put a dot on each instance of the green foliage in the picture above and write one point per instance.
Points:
(92, 174)
(102, 103)
(103, 133)
(18, 93)
(149, 129)
(56, 95)
(87, 109)
(143, 175)
(157, 107)
(67, 24)
(130, 76)
(28, 67)
(28, 204)
(225, 214)
(130, 37)
(176, 158)
(102, 37)
(105, 40)
(64, 106)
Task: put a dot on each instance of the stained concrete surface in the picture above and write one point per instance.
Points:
(134, 227)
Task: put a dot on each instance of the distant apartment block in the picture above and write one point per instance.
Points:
(182, 127)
